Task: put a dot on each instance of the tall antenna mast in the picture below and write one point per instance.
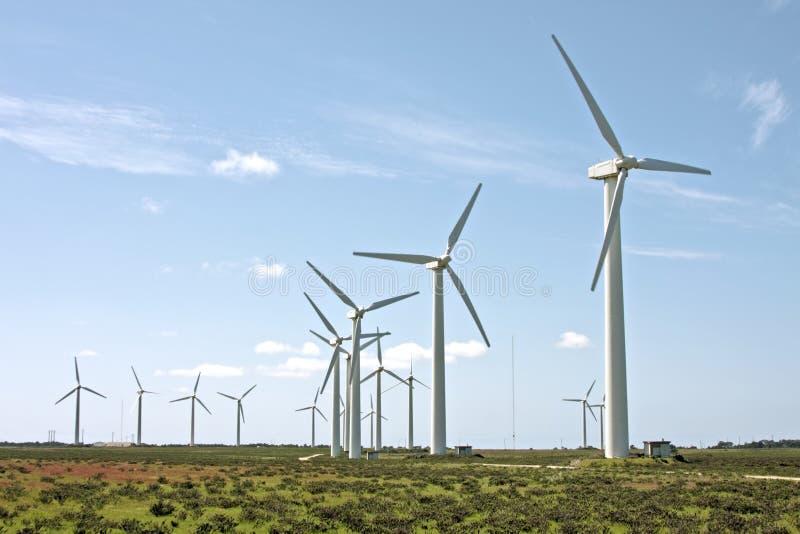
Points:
(513, 401)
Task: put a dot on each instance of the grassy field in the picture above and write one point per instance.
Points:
(269, 489)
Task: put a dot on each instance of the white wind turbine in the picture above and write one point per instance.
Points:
(239, 411)
(377, 374)
(193, 397)
(314, 411)
(139, 392)
(371, 414)
(602, 407)
(355, 314)
(438, 264)
(410, 383)
(614, 172)
(584, 404)
(77, 390)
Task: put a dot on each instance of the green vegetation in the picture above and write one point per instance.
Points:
(268, 489)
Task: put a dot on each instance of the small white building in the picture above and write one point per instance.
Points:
(372, 455)
(657, 449)
(463, 450)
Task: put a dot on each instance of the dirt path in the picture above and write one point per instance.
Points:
(773, 477)
(532, 466)
(307, 458)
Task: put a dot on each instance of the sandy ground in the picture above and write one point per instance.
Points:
(773, 477)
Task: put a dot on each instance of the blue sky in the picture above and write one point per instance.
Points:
(168, 169)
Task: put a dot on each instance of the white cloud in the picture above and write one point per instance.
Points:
(399, 356)
(130, 139)
(168, 333)
(573, 340)
(166, 269)
(237, 164)
(668, 188)
(294, 367)
(276, 347)
(86, 352)
(151, 206)
(768, 100)
(672, 254)
(206, 369)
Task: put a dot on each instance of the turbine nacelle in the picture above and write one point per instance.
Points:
(356, 313)
(440, 263)
(611, 168)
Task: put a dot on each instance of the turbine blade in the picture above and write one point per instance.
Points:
(77, 376)
(456, 233)
(468, 302)
(373, 373)
(320, 413)
(226, 395)
(316, 397)
(392, 387)
(323, 338)
(133, 404)
(73, 390)
(368, 343)
(366, 416)
(572, 400)
(330, 368)
(650, 164)
(591, 412)
(611, 226)
(599, 118)
(325, 320)
(151, 392)
(241, 411)
(419, 259)
(249, 390)
(372, 334)
(590, 388)
(380, 355)
(420, 383)
(339, 293)
(384, 418)
(203, 405)
(90, 390)
(137, 378)
(196, 382)
(182, 399)
(303, 409)
(371, 407)
(392, 374)
(386, 302)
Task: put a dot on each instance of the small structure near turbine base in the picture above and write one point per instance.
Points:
(657, 449)
(463, 450)
(372, 455)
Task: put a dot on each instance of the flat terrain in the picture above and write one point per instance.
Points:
(268, 489)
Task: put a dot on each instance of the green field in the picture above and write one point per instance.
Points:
(268, 489)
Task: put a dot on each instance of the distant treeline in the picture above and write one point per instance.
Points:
(761, 444)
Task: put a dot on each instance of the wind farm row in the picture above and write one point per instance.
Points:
(347, 407)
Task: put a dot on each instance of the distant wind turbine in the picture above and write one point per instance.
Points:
(193, 397)
(239, 411)
(77, 390)
(377, 374)
(584, 404)
(410, 383)
(371, 414)
(314, 411)
(139, 392)
(602, 407)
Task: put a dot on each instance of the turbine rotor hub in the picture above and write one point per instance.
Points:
(440, 263)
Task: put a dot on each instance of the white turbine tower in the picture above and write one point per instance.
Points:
(584, 404)
(614, 172)
(139, 392)
(371, 414)
(193, 397)
(77, 390)
(239, 411)
(377, 374)
(602, 407)
(438, 264)
(410, 383)
(355, 314)
(314, 411)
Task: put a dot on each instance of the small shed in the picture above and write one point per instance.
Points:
(372, 455)
(657, 449)
(463, 450)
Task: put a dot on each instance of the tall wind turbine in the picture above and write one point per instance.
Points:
(602, 407)
(193, 397)
(239, 411)
(314, 411)
(613, 173)
(410, 383)
(377, 374)
(355, 314)
(371, 414)
(438, 264)
(77, 390)
(139, 392)
(584, 404)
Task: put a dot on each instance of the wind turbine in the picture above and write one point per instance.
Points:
(239, 410)
(194, 397)
(602, 407)
(139, 392)
(371, 414)
(438, 264)
(77, 390)
(613, 173)
(584, 404)
(410, 383)
(377, 374)
(314, 411)
(355, 314)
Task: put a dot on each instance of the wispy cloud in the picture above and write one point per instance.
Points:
(670, 189)
(166, 269)
(769, 102)
(776, 5)
(240, 166)
(573, 340)
(672, 253)
(86, 353)
(294, 367)
(206, 369)
(151, 206)
(276, 347)
(243, 265)
(130, 139)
